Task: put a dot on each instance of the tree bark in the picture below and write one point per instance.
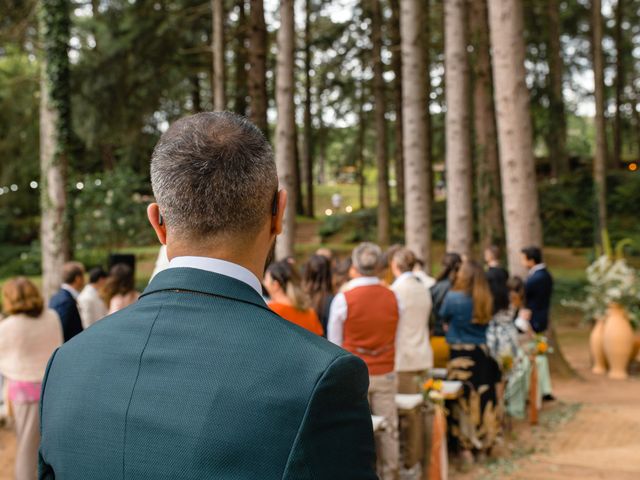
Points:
(195, 93)
(308, 133)
(298, 174)
(217, 19)
(322, 133)
(285, 128)
(557, 138)
(384, 207)
(600, 158)
(415, 114)
(362, 128)
(490, 219)
(519, 186)
(55, 134)
(240, 100)
(457, 127)
(257, 77)
(620, 81)
(396, 66)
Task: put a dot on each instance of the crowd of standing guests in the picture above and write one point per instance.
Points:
(384, 308)
(31, 332)
(381, 306)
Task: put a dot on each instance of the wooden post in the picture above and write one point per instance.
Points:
(533, 393)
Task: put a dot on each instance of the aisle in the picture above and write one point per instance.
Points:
(602, 440)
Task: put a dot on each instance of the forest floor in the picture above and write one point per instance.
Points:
(591, 432)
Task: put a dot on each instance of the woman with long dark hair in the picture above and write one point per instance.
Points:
(119, 290)
(287, 297)
(318, 284)
(450, 264)
(468, 309)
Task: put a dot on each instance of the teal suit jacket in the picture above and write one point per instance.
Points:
(200, 380)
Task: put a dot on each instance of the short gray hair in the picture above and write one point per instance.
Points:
(213, 173)
(366, 258)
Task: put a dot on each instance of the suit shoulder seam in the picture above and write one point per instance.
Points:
(133, 389)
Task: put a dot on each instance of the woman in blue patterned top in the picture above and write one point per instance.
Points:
(467, 310)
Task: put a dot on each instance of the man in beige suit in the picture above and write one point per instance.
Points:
(413, 351)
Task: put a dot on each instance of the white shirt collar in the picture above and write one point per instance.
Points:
(401, 278)
(536, 268)
(221, 267)
(363, 282)
(74, 293)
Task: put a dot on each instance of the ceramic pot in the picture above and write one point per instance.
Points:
(596, 345)
(618, 341)
(635, 349)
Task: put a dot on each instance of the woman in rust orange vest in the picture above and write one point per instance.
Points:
(288, 299)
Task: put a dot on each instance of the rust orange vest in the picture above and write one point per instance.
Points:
(370, 327)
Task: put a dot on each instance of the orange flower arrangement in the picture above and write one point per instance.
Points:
(431, 385)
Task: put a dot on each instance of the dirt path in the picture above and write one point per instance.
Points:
(592, 432)
(602, 440)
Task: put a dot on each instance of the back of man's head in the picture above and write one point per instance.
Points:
(533, 254)
(214, 177)
(96, 274)
(71, 271)
(366, 258)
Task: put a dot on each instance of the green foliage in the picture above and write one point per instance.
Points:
(566, 206)
(110, 211)
(18, 146)
(20, 260)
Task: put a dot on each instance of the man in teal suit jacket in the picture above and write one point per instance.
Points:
(199, 379)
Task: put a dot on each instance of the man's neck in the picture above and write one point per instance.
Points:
(494, 264)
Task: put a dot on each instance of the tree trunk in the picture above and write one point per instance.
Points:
(415, 114)
(322, 134)
(195, 93)
(55, 134)
(600, 158)
(490, 220)
(298, 174)
(519, 186)
(620, 82)
(362, 127)
(217, 47)
(285, 128)
(396, 66)
(384, 207)
(308, 134)
(458, 149)
(240, 100)
(557, 138)
(257, 77)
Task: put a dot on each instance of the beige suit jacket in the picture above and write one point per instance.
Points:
(413, 350)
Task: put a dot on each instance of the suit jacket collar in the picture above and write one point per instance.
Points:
(204, 282)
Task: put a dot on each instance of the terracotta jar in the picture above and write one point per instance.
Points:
(596, 343)
(618, 341)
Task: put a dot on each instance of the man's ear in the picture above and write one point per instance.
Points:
(155, 219)
(278, 219)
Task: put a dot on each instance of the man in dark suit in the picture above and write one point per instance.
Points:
(199, 379)
(538, 288)
(64, 302)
